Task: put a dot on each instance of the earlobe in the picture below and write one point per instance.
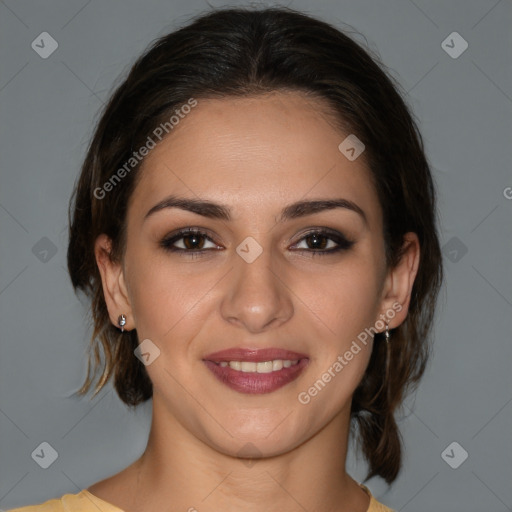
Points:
(114, 288)
(400, 281)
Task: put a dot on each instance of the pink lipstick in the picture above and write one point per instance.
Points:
(256, 371)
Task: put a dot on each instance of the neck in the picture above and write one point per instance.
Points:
(178, 468)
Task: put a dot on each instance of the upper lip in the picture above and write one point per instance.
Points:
(253, 355)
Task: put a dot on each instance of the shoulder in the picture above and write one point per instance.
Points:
(48, 506)
(80, 502)
(375, 506)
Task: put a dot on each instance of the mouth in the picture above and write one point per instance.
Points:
(256, 371)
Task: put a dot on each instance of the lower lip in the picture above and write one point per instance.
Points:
(256, 383)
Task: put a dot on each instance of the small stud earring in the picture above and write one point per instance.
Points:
(121, 320)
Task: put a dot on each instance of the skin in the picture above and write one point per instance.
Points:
(255, 155)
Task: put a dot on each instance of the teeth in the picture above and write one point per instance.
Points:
(263, 367)
(277, 365)
(248, 367)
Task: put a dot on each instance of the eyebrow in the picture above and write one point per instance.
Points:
(213, 210)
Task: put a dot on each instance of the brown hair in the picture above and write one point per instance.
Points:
(241, 52)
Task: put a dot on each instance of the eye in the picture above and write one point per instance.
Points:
(323, 242)
(194, 241)
(189, 240)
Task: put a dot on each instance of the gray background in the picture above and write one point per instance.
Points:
(48, 107)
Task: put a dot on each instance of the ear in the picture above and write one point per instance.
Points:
(114, 286)
(397, 290)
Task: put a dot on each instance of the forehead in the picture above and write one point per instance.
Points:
(253, 153)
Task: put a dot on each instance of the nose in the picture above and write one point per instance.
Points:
(256, 296)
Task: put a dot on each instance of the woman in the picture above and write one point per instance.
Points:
(255, 225)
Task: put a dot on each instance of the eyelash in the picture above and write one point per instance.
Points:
(343, 243)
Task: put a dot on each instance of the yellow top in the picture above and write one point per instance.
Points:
(84, 501)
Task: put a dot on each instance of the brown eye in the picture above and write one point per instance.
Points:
(316, 241)
(323, 242)
(193, 241)
(188, 241)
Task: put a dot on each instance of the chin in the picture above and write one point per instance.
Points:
(259, 434)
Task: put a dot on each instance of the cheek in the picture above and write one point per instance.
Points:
(166, 298)
(344, 298)
(344, 303)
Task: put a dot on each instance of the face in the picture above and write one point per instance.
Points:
(301, 283)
